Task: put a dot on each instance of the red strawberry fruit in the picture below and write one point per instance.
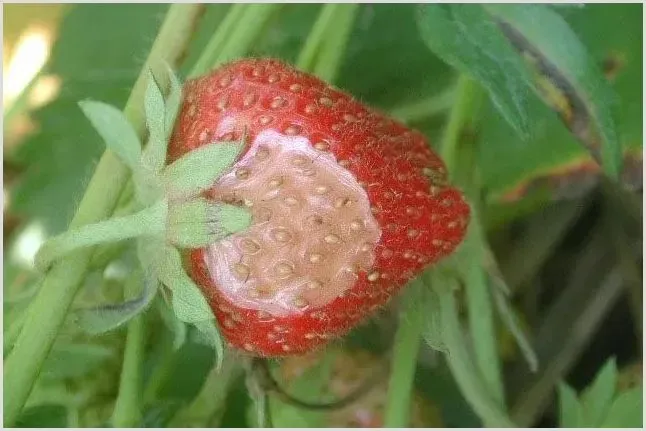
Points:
(348, 205)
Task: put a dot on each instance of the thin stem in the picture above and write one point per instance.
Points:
(127, 409)
(466, 93)
(481, 313)
(213, 48)
(247, 29)
(333, 47)
(465, 373)
(47, 312)
(159, 376)
(317, 36)
(404, 362)
(422, 110)
(459, 154)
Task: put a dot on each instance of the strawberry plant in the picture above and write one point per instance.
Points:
(326, 215)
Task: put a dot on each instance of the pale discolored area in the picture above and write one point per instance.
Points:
(312, 231)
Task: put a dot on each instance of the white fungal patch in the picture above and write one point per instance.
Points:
(313, 228)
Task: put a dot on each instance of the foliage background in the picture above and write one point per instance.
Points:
(546, 210)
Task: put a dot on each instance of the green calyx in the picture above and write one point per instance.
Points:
(172, 212)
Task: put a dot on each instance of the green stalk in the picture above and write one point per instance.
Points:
(320, 31)
(404, 363)
(47, 312)
(481, 314)
(210, 55)
(333, 46)
(466, 375)
(466, 94)
(459, 154)
(159, 375)
(425, 109)
(247, 22)
(127, 409)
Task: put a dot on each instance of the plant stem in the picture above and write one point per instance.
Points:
(127, 409)
(404, 362)
(317, 36)
(466, 375)
(425, 109)
(159, 375)
(481, 314)
(249, 21)
(47, 312)
(460, 157)
(210, 54)
(466, 94)
(333, 46)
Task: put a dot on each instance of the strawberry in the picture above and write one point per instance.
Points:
(347, 206)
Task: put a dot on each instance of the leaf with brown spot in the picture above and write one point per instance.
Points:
(565, 77)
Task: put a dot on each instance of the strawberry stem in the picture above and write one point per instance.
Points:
(148, 222)
(404, 364)
(47, 312)
(333, 47)
(320, 31)
(210, 55)
(460, 155)
(466, 375)
(425, 109)
(238, 31)
(127, 409)
(466, 95)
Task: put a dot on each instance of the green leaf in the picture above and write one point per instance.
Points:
(189, 304)
(566, 76)
(199, 169)
(211, 333)
(597, 398)
(626, 410)
(570, 408)
(108, 317)
(466, 38)
(115, 130)
(554, 159)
